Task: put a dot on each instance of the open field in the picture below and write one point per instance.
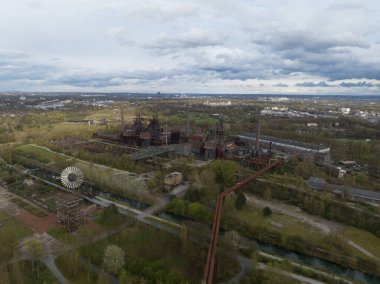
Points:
(365, 239)
(7, 222)
(279, 222)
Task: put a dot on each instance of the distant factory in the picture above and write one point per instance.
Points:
(211, 144)
(318, 153)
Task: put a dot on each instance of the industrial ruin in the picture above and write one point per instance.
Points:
(71, 213)
(147, 137)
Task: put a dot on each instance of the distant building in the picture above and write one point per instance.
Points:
(318, 183)
(345, 110)
(221, 103)
(173, 179)
(318, 153)
(312, 124)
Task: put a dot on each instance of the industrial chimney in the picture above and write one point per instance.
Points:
(257, 146)
(122, 121)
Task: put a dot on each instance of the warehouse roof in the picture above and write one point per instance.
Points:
(319, 183)
(311, 146)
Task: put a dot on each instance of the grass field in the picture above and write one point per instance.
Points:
(61, 235)
(280, 222)
(363, 238)
(20, 230)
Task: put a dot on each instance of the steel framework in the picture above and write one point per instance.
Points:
(70, 213)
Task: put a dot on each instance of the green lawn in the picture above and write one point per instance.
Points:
(11, 232)
(363, 238)
(8, 222)
(61, 235)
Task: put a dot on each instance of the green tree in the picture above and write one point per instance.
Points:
(35, 250)
(225, 172)
(72, 262)
(267, 211)
(241, 200)
(17, 270)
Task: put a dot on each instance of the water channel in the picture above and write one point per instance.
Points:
(314, 262)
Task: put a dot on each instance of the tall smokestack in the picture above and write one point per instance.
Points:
(122, 122)
(257, 146)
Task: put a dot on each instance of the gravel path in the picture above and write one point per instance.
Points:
(326, 226)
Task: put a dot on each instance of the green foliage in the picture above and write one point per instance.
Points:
(267, 211)
(193, 210)
(154, 272)
(194, 194)
(35, 250)
(110, 216)
(27, 273)
(241, 200)
(224, 171)
(11, 231)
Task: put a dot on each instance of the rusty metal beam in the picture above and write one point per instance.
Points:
(210, 261)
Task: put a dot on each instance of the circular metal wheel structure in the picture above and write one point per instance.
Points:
(72, 177)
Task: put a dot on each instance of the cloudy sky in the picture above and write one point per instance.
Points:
(197, 46)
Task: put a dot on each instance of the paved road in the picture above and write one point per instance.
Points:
(161, 202)
(50, 263)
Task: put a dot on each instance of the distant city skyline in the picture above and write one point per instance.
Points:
(215, 46)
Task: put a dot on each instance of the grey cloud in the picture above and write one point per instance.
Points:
(307, 41)
(16, 66)
(358, 84)
(119, 34)
(86, 78)
(194, 37)
(11, 55)
(161, 11)
(280, 85)
(312, 84)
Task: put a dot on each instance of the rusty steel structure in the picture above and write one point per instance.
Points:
(71, 213)
(210, 261)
